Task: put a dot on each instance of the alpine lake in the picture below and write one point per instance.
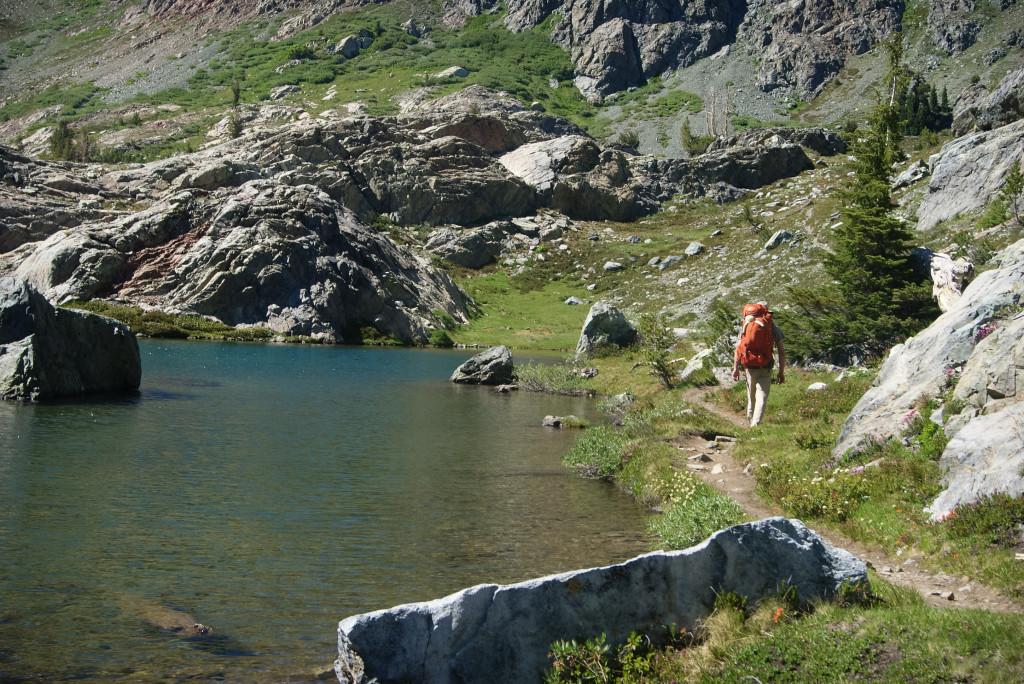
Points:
(267, 492)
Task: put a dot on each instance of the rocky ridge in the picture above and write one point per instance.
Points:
(272, 228)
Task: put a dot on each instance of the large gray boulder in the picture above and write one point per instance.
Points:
(918, 368)
(495, 633)
(491, 367)
(605, 325)
(574, 175)
(969, 172)
(733, 165)
(47, 353)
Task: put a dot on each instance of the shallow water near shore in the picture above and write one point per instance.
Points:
(270, 491)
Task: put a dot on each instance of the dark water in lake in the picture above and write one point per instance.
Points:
(270, 491)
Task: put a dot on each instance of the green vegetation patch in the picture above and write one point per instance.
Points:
(160, 324)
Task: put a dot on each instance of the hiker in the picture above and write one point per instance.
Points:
(754, 352)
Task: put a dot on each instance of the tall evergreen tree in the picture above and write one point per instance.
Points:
(874, 299)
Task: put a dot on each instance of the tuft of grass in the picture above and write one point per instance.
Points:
(560, 378)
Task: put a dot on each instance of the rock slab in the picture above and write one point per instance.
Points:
(496, 633)
(47, 352)
(918, 367)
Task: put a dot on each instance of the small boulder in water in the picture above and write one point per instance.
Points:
(491, 367)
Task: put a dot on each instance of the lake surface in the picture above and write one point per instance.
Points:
(270, 491)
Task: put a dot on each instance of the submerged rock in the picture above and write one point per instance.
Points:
(494, 633)
(47, 352)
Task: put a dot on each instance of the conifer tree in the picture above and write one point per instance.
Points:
(62, 142)
(874, 299)
(1013, 186)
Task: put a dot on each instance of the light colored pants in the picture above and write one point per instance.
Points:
(759, 383)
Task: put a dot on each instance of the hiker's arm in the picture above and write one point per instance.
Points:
(736, 363)
(782, 361)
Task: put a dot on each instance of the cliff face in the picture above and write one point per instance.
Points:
(800, 45)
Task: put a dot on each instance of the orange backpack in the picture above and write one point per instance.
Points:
(756, 337)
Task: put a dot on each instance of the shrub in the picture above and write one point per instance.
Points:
(698, 512)
(655, 342)
(829, 496)
(629, 138)
(559, 378)
(235, 126)
(994, 518)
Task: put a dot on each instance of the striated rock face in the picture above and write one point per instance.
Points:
(992, 380)
(491, 367)
(800, 45)
(47, 353)
(504, 633)
(803, 45)
(969, 172)
(290, 258)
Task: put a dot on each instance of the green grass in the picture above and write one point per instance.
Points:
(514, 312)
(159, 324)
(879, 633)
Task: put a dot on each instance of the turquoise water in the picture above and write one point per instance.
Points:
(268, 492)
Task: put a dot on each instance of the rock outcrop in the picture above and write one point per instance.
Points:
(605, 325)
(978, 109)
(273, 228)
(800, 46)
(982, 335)
(968, 173)
(47, 353)
(263, 253)
(803, 45)
(952, 26)
(491, 367)
(504, 633)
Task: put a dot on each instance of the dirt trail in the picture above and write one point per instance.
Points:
(733, 477)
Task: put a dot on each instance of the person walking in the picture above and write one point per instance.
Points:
(754, 351)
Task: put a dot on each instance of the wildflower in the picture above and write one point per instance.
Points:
(778, 614)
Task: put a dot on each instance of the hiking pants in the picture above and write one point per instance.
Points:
(759, 383)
